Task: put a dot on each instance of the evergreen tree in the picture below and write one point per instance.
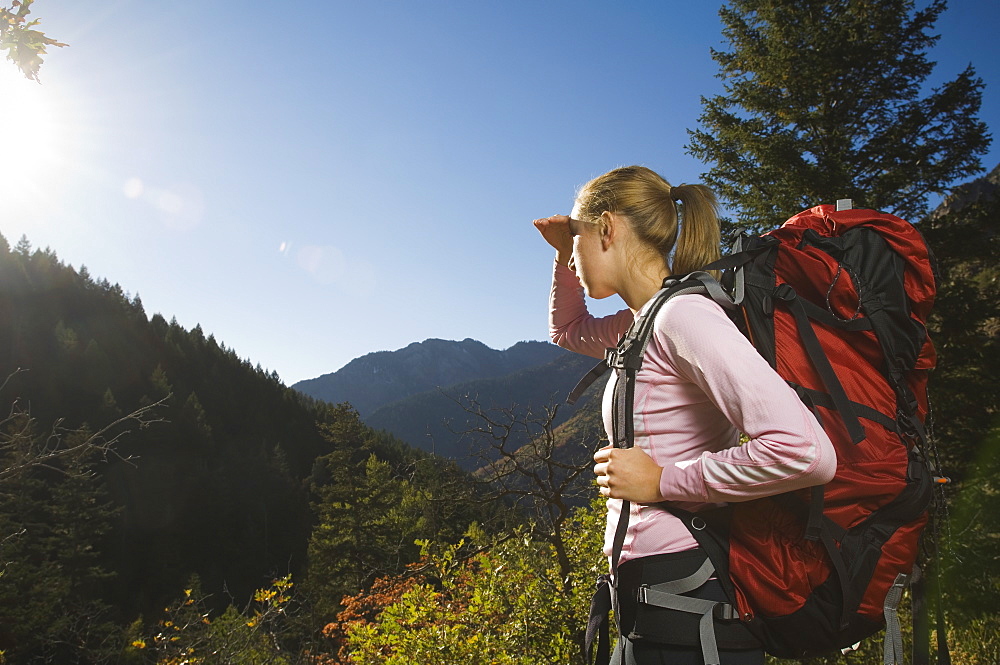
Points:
(53, 519)
(374, 499)
(823, 100)
(965, 325)
(23, 246)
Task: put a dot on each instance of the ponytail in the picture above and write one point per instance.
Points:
(679, 224)
(699, 238)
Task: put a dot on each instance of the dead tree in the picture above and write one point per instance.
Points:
(546, 477)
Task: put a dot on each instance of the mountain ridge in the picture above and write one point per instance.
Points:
(441, 420)
(382, 377)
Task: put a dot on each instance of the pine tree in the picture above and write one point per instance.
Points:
(23, 246)
(54, 516)
(824, 101)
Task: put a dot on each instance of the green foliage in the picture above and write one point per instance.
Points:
(545, 478)
(363, 529)
(965, 327)
(972, 559)
(506, 604)
(54, 517)
(823, 101)
(965, 396)
(977, 642)
(374, 500)
(25, 46)
(222, 485)
(188, 633)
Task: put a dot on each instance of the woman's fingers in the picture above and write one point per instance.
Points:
(555, 230)
(627, 474)
(603, 459)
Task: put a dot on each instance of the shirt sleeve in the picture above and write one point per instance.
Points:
(787, 448)
(572, 327)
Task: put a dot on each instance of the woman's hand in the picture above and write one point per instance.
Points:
(555, 230)
(628, 473)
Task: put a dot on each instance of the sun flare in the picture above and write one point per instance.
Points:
(31, 135)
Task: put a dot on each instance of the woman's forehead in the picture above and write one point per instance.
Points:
(576, 226)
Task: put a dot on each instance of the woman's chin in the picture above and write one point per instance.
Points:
(597, 295)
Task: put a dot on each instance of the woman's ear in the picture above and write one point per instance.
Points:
(609, 228)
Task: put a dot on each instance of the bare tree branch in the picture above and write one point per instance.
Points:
(22, 448)
(548, 476)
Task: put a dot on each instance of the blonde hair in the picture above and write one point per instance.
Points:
(651, 206)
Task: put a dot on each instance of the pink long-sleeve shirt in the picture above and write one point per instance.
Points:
(701, 384)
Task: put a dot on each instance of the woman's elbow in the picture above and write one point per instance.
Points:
(826, 465)
(559, 337)
(569, 338)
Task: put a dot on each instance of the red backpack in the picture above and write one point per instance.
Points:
(837, 302)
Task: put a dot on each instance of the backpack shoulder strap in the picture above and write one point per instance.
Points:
(626, 360)
(628, 354)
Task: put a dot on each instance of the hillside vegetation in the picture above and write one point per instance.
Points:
(224, 480)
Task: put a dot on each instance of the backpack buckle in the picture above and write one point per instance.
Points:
(904, 426)
(784, 292)
(725, 612)
(624, 356)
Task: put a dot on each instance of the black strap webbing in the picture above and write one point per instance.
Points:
(633, 345)
(860, 410)
(821, 363)
(849, 595)
(597, 624)
(668, 595)
(588, 380)
(626, 360)
(827, 317)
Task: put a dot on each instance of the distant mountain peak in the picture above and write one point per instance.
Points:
(381, 377)
(985, 188)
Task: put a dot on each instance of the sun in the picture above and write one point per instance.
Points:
(32, 136)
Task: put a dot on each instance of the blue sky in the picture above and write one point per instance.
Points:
(314, 181)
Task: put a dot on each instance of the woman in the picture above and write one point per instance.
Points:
(701, 384)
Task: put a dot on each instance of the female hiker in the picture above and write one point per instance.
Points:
(700, 386)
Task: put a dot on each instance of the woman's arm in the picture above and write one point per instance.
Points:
(570, 324)
(787, 449)
(572, 327)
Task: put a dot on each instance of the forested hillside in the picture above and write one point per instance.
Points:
(224, 474)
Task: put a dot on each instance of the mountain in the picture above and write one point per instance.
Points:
(984, 189)
(383, 377)
(441, 420)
